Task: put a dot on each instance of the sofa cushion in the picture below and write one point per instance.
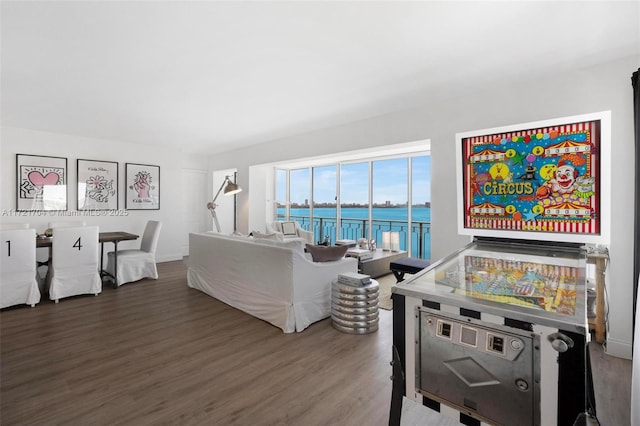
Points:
(326, 253)
(296, 244)
(272, 236)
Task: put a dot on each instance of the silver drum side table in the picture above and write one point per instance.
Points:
(354, 309)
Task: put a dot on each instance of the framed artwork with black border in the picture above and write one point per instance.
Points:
(142, 187)
(41, 183)
(98, 185)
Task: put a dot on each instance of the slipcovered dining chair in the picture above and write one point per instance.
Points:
(63, 224)
(49, 231)
(18, 282)
(136, 264)
(74, 267)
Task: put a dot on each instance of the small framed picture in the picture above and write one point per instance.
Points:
(97, 185)
(142, 187)
(41, 183)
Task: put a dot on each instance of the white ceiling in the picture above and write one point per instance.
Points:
(215, 76)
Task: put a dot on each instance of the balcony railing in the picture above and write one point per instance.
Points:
(353, 229)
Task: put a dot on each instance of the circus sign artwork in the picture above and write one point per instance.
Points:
(41, 183)
(546, 180)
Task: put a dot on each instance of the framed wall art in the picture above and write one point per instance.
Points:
(546, 180)
(142, 187)
(41, 183)
(97, 185)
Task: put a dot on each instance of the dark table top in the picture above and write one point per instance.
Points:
(103, 237)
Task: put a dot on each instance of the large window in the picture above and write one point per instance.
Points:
(390, 186)
(325, 196)
(421, 206)
(354, 200)
(282, 199)
(300, 196)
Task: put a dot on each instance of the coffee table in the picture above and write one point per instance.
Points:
(380, 263)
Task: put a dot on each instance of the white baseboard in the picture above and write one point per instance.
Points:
(170, 257)
(618, 349)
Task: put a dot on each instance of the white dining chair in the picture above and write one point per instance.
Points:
(18, 282)
(49, 231)
(74, 267)
(63, 224)
(136, 264)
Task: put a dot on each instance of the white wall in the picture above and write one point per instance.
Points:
(605, 87)
(172, 163)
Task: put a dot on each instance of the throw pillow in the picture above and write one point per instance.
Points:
(326, 253)
(289, 228)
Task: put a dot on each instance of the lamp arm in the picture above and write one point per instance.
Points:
(226, 178)
(211, 205)
(215, 218)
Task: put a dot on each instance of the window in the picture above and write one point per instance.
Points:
(354, 201)
(281, 194)
(325, 209)
(390, 195)
(421, 206)
(361, 199)
(299, 197)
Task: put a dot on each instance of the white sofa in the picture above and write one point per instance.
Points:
(274, 281)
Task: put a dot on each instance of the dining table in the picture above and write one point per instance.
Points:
(103, 237)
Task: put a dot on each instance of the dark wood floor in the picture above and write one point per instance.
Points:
(157, 352)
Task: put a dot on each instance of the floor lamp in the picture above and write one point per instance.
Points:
(230, 189)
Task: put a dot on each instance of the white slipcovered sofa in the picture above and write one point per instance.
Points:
(274, 281)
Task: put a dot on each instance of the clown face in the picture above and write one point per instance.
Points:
(565, 177)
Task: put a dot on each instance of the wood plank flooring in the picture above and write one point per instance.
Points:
(157, 352)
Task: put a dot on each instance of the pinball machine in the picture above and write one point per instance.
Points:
(497, 332)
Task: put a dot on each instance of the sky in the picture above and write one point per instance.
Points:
(389, 182)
